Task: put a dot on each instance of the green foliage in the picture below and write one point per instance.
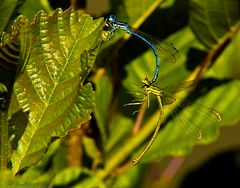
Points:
(48, 59)
(208, 23)
(52, 78)
(6, 11)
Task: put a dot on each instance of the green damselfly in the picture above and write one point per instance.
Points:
(166, 96)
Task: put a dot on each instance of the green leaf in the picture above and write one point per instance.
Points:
(130, 178)
(89, 180)
(7, 179)
(2, 88)
(76, 177)
(227, 66)
(211, 20)
(167, 4)
(134, 9)
(103, 99)
(66, 176)
(51, 88)
(135, 12)
(7, 8)
(119, 129)
(29, 8)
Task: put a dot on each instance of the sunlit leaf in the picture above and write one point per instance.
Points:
(51, 89)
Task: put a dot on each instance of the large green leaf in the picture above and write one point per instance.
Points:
(211, 20)
(51, 89)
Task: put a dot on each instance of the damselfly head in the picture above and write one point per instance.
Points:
(146, 83)
(112, 18)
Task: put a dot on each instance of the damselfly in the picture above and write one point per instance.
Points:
(163, 50)
(166, 96)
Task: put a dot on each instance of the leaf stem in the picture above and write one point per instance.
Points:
(4, 140)
(128, 147)
(216, 50)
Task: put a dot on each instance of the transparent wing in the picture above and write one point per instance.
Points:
(189, 125)
(166, 50)
(201, 114)
(206, 113)
(180, 87)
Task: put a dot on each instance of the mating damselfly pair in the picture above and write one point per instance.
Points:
(163, 50)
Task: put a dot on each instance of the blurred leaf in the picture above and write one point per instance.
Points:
(7, 179)
(92, 151)
(89, 180)
(230, 101)
(168, 3)
(103, 99)
(130, 178)
(228, 64)
(7, 8)
(29, 8)
(211, 20)
(119, 128)
(135, 9)
(134, 12)
(51, 89)
(2, 88)
(67, 176)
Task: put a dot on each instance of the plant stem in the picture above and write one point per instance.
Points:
(4, 140)
(128, 147)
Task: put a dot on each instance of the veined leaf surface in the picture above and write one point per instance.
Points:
(51, 90)
(211, 20)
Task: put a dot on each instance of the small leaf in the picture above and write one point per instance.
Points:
(66, 176)
(51, 88)
(89, 180)
(3, 88)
